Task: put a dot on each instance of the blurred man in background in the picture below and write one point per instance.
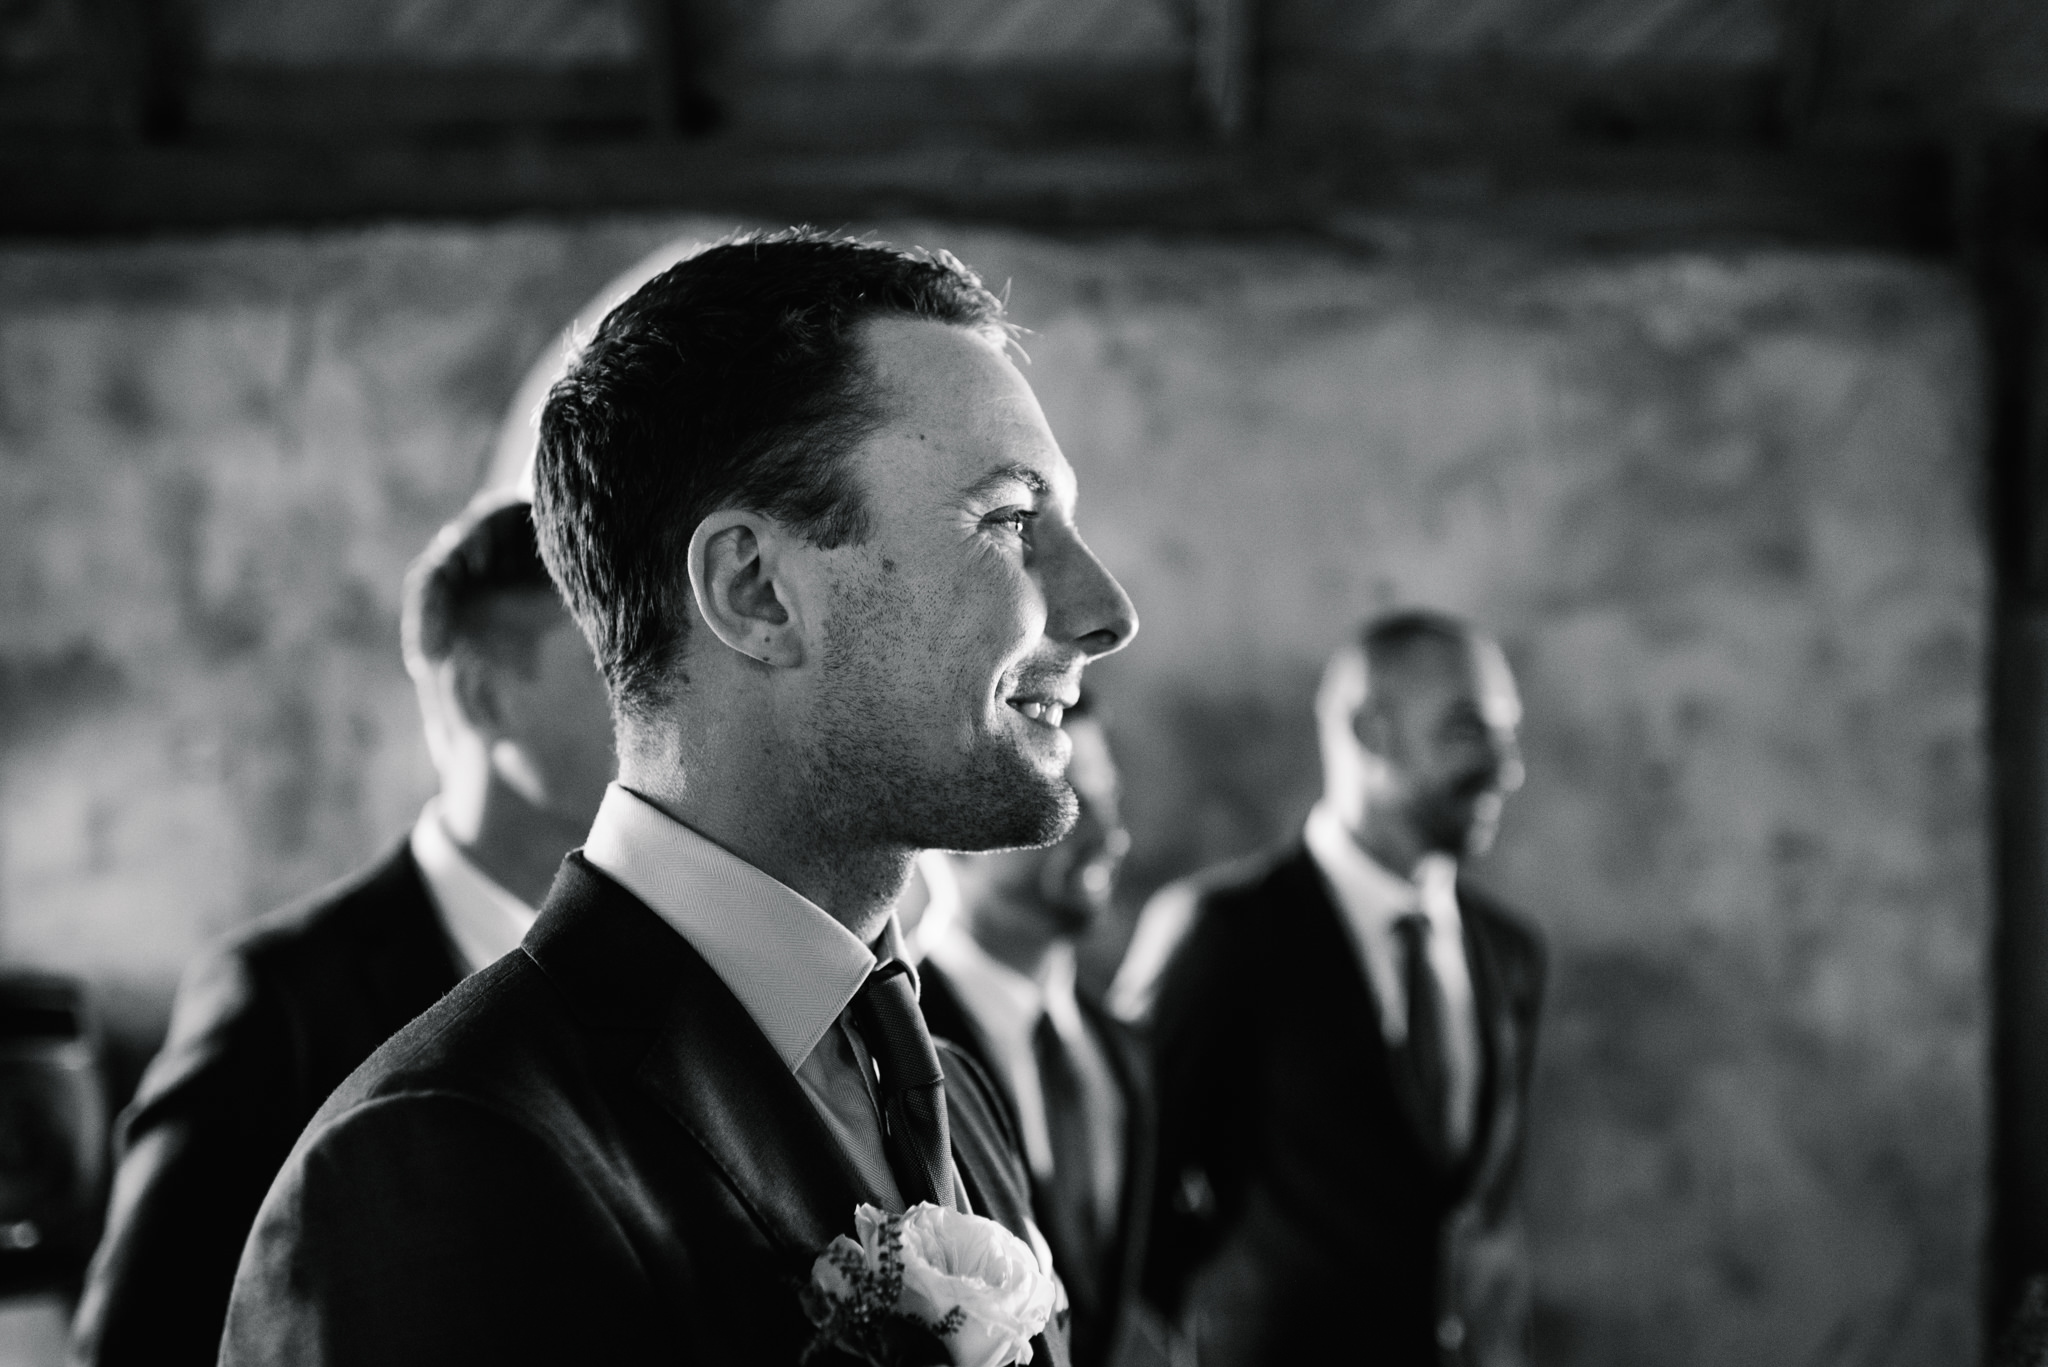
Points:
(267, 1023)
(999, 980)
(1343, 1035)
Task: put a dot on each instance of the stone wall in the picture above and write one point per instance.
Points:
(1721, 507)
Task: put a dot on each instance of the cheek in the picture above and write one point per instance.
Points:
(977, 620)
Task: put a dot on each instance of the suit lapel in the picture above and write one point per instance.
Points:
(1338, 944)
(1128, 1065)
(991, 1164)
(693, 1050)
(1499, 1109)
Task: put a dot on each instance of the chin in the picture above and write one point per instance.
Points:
(994, 801)
(1023, 818)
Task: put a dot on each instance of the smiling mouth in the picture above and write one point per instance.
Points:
(1046, 711)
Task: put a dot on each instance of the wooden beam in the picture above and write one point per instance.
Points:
(1226, 65)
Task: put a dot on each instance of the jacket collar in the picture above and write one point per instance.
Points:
(654, 1005)
(790, 965)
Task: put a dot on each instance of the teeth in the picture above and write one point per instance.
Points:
(1033, 710)
(1053, 713)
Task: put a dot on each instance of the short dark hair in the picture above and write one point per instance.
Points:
(486, 552)
(731, 380)
(1387, 638)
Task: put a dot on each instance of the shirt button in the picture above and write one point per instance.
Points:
(1450, 1333)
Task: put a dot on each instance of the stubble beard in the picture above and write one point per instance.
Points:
(1463, 829)
(874, 787)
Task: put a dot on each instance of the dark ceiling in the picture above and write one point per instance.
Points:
(1844, 120)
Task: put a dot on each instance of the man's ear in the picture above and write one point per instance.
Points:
(474, 684)
(739, 579)
(1373, 730)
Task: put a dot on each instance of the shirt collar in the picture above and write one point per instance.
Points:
(1002, 999)
(484, 920)
(1372, 891)
(792, 966)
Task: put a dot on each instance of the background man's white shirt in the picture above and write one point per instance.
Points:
(482, 920)
(1371, 898)
(1007, 1005)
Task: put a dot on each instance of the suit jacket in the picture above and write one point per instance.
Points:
(1299, 1217)
(1098, 1303)
(587, 1152)
(266, 1024)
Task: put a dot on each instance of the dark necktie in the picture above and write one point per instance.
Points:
(1069, 1200)
(912, 1086)
(1426, 1057)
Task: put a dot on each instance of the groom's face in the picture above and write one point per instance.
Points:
(957, 631)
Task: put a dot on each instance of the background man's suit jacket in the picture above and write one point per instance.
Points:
(266, 1025)
(588, 1152)
(1298, 1215)
(1097, 1303)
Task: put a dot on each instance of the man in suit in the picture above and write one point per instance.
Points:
(812, 520)
(999, 981)
(1343, 1034)
(270, 1020)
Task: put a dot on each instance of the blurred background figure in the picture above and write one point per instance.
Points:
(1344, 1033)
(267, 1023)
(998, 978)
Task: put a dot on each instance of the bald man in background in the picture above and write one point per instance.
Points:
(1344, 1032)
(268, 1022)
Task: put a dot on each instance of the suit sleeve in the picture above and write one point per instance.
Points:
(429, 1229)
(213, 1119)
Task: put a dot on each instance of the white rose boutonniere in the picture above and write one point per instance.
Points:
(929, 1288)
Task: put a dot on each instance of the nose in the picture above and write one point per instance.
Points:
(1086, 605)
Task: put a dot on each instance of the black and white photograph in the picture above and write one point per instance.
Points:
(966, 683)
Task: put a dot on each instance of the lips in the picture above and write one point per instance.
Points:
(1048, 711)
(1043, 694)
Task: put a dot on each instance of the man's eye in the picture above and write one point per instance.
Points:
(1013, 518)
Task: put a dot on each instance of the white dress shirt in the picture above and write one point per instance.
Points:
(1372, 898)
(791, 965)
(1007, 1005)
(482, 920)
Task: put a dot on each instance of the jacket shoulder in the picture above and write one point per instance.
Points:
(387, 900)
(498, 1036)
(1212, 915)
(242, 994)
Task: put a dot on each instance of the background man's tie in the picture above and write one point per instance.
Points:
(914, 1129)
(1426, 1053)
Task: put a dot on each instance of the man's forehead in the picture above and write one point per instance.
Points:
(1451, 668)
(952, 391)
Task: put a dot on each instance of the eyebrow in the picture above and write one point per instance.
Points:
(1009, 474)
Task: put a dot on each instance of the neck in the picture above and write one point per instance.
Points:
(779, 833)
(515, 844)
(1022, 943)
(1391, 844)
